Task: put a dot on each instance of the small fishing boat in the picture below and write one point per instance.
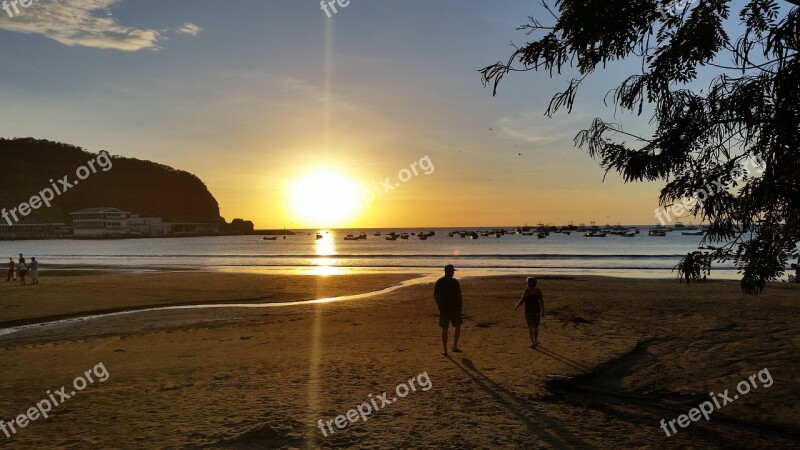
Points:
(319, 236)
(350, 237)
(272, 238)
(541, 236)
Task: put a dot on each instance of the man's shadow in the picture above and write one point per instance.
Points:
(550, 432)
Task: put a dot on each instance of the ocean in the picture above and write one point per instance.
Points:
(639, 256)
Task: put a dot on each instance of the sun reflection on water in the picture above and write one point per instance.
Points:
(325, 248)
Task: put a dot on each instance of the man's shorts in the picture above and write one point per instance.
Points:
(533, 319)
(446, 318)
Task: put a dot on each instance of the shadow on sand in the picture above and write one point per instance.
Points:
(544, 428)
(563, 359)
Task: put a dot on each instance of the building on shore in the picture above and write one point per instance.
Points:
(148, 226)
(112, 222)
(100, 222)
(31, 229)
(192, 229)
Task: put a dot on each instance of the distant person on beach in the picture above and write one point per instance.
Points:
(12, 270)
(447, 294)
(534, 310)
(34, 271)
(22, 269)
(797, 271)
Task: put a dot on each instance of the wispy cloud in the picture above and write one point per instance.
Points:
(190, 28)
(86, 23)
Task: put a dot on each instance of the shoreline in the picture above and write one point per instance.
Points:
(13, 327)
(722, 274)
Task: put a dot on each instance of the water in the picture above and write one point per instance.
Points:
(639, 256)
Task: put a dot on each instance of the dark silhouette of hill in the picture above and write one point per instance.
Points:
(142, 187)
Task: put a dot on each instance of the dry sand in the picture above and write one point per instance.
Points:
(263, 377)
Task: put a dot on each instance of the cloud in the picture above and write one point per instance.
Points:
(189, 28)
(77, 23)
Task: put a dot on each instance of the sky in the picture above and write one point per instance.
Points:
(262, 98)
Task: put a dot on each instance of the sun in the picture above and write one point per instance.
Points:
(324, 198)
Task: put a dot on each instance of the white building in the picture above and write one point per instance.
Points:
(148, 226)
(100, 222)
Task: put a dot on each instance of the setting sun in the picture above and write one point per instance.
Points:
(324, 197)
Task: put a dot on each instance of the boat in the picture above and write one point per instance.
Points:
(392, 237)
(630, 234)
(423, 237)
(350, 237)
(693, 233)
(270, 238)
(566, 232)
(528, 233)
(362, 236)
(376, 234)
(541, 235)
(404, 236)
(592, 233)
(319, 236)
(656, 232)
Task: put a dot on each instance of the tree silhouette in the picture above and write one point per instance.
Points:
(749, 111)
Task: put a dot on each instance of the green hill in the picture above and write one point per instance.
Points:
(142, 187)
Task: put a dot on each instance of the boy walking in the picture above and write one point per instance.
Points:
(534, 310)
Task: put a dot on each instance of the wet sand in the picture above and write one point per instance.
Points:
(640, 351)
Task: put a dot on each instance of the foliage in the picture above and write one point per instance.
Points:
(750, 110)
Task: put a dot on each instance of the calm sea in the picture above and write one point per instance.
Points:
(639, 256)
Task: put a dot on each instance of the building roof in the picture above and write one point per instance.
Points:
(99, 210)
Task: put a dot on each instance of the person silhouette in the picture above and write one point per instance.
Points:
(534, 310)
(12, 270)
(447, 294)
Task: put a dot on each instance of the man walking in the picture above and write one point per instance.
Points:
(447, 294)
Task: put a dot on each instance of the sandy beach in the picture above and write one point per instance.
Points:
(617, 357)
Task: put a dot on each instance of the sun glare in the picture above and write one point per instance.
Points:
(324, 198)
